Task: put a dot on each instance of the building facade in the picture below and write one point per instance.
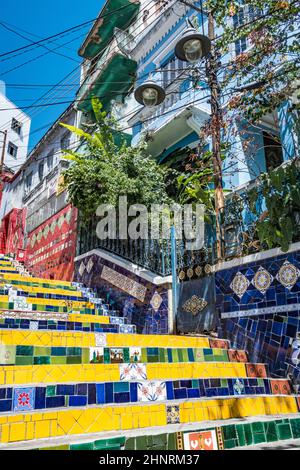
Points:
(37, 219)
(137, 44)
(17, 125)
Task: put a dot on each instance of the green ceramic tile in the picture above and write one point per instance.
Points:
(141, 442)
(271, 431)
(224, 383)
(144, 357)
(58, 360)
(248, 434)
(284, 431)
(162, 356)
(257, 427)
(73, 359)
(24, 351)
(295, 426)
(85, 446)
(241, 435)
(42, 360)
(24, 360)
(172, 443)
(41, 351)
(130, 443)
(85, 356)
(180, 355)
(50, 391)
(106, 356)
(175, 355)
(229, 432)
(259, 437)
(230, 443)
(126, 355)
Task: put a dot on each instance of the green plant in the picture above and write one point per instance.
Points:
(104, 170)
(280, 188)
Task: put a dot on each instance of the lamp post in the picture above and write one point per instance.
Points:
(191, 47)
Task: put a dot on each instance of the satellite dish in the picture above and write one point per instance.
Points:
(126, 42)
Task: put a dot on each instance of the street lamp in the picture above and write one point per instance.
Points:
(149, 94)
(192, 46)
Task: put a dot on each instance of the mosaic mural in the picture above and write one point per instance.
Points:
(139, 301)
(259, 308)
(51, 247)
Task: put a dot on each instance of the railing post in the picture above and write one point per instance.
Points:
(174, 276)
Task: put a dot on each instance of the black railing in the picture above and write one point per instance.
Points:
(154, 255)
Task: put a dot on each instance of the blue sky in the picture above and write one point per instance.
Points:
(38, 19)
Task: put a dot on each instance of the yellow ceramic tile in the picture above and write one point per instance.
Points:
(17, 432)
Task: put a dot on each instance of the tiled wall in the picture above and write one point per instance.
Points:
(142, 303)
(51, 246)
(259, 305)
(82, 394)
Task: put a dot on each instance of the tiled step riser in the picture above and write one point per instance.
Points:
(14, 399)
(25, 355)
(50, 374)
(217, 438)
(17, 306)
(5, 291)
(73, 421)
(52, 325)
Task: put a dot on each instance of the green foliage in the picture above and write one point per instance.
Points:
(273, 61)
(280, 189)
(105, 171)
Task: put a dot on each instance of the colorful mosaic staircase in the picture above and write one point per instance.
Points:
(74, 375)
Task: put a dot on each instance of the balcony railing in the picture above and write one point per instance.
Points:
(153, 255)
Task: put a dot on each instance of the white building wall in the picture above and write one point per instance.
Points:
(20, 141)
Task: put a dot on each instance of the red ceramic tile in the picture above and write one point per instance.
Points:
(256, 370)
(275, 386)
(219, 343)
(285, 387)
(237, 355)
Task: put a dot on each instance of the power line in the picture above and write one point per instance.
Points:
(30, 40)
(35, 43)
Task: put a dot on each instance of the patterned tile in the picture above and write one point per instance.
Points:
(202, 440)
(96, 355)
(218, 343)
(100, 339)
(288, 275)
(135, 354)
(124, 283)
(156, 301)
(262, 280)
(173, 416)
(239, 284)
(24, 399)
(133, 372)
(152, 391)
(237, 355)
(238, 386)
(256, 370)
(280, 387)
(194, 305)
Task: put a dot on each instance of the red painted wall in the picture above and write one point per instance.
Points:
(12, 231)
(51, 247)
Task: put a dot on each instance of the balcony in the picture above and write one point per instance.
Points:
(115, 13)
(110, 77)
(177, 117)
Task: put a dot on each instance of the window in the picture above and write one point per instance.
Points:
(273, 151)
(171, 70)
(245, 14)
(12, 150)
(41, 171)
(50, 158)
(16, 126)
(65, 141)
(28, 181)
